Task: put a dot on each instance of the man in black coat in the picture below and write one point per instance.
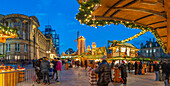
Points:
(136, 66)
(156, 69)
(123, 72)
(104, 73)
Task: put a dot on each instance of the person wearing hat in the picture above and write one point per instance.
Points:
(156, 69)
(45, 68)
(104, 73)
(123, 72)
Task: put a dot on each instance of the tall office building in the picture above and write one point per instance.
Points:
(48, 30)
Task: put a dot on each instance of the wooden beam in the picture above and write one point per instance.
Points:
(164, 36)
(132, 2)
(119, 19)
(112, 7)
(114, 13)
(156, 22)
(161, 27)
(162, 14)
(119, 9)
(143, 17)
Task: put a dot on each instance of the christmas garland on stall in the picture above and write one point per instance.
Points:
(85, 17)
(8, 31)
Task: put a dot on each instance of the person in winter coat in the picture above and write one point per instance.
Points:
(123, 72)
(140, 68)
(58, 69)
(156, 69)
(38, 71)
(85, 63)
(104, 73)
(129, 66)
(162, 71)
(54, 66)
(45, 67)
(167, 71)
(163, 67)
(136, 67)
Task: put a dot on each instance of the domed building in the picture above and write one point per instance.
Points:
(30, 43)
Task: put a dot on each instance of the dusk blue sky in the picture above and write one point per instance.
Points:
(61, 15)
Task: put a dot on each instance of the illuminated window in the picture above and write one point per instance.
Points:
(8, 47)
(117, 50)
(154, 50)
(146, 51)
(150, 45)
(123, 49)
(150, 50)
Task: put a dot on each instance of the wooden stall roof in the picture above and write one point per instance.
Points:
(148, 13)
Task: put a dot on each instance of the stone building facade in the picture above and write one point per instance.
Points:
(152, 49)
(30, 43)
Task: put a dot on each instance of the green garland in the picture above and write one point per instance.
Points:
(8, 31)
(85, 17)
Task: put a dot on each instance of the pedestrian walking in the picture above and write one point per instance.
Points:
(113, 64)
(45, 68)
(38, 70)
(156, 69)
(162, 71)
(129, 66)
(136, 67)
(163, 67)
(123, 73)
(140, 68)
(54, 70)
(58, 69)
(67, 65)
(167, 71)
(104, 73)
(22, 62)
(85, 63)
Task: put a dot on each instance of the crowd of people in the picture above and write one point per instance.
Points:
(42, 68)
(102, 69)
(161, 69)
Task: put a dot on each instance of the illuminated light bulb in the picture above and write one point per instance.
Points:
(88, 7)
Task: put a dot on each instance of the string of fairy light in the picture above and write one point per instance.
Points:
(85, 17)
(7, 31)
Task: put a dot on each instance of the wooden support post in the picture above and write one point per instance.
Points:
(167, 9)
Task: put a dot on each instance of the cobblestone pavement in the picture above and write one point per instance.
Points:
(78, 77)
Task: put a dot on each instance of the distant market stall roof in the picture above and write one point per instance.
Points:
(147, 15)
